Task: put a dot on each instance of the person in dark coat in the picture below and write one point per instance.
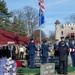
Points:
(32, 48)
(45, 50)
(56, 53)
(12, 49)
(72, 47)
(63, 58)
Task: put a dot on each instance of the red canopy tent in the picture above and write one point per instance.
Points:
(6, 37)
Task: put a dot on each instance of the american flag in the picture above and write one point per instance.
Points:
(41, 4)
(41, 12)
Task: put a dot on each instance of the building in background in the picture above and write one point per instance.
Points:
(66, 30)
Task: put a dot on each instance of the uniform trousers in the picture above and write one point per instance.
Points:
(32, 58)
(63, 66)
(44, 59)
(73, 59)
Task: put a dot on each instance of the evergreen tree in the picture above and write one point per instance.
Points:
(3, 8)
(18, 27)
(4, 16)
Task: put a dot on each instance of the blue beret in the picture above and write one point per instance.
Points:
(31, 39)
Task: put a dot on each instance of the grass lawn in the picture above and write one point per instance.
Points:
(71, 69)
(29, 70)
(37, 70)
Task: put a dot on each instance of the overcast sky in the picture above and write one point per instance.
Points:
(54, 10)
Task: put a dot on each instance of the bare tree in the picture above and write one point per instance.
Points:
(31, 19)
(36, 34)
(52, 36)
(27, 17)
(70, 19)
(18, 25)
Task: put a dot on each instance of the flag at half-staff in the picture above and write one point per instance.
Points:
(41, 12)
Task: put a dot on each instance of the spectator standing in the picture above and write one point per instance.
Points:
(24, 48)
(12, 49)
(17, 51)
(21, 49)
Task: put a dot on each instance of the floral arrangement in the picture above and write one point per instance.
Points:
(9, 67)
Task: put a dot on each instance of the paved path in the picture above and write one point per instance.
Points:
(50, 74)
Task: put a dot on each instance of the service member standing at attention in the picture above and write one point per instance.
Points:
(45, 50)
(63, 58)
(32, 48)
(72, 47)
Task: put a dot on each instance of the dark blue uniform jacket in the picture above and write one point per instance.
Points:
(55, 46)
(45, 50)
(32, 48)
(72, 46)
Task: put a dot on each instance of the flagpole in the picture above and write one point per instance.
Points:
(41, 17)
(40, 23)
(40, 35)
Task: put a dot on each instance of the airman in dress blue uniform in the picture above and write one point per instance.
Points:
(45, 50)
(72, 46)
(32, 48)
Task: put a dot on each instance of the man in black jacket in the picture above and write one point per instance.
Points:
(63, 58)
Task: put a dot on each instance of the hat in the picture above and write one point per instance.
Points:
(62, 37)
(31, 39)
(44, 41)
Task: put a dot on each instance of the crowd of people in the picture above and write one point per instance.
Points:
(9, 55)
(61, 48)
(27, 52)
